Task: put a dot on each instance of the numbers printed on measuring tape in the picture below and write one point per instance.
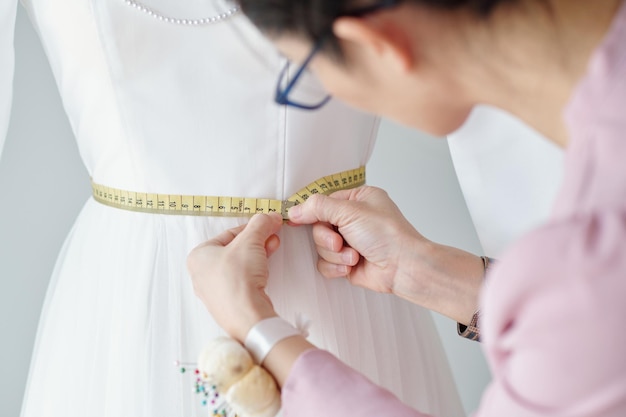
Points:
(223, 206)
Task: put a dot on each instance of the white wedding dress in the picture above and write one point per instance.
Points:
(187, 109)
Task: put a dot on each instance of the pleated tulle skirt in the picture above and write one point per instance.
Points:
(120, 310)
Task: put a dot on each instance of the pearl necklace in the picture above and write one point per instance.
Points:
(185, 22)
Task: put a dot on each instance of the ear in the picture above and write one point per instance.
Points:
(380, 36)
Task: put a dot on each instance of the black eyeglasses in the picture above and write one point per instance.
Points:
(282, 94)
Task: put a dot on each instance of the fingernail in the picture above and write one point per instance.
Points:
(347, 258)
(330, 244)
(342, 269)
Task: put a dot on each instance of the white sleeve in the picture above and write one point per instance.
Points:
(509, 175)
(8, 11)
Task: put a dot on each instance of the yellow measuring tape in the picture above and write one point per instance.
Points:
(199, 205)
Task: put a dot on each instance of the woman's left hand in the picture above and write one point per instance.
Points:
(230, 272)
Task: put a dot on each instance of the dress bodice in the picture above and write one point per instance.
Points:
(187, 109)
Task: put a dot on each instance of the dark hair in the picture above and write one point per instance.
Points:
(313, 19)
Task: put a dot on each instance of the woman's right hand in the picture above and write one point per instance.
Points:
(362, 235)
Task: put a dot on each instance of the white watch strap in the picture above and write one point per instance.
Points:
(265, 334)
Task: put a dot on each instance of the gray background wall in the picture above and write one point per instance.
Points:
(40, 164)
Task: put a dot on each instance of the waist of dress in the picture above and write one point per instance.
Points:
(202, 205)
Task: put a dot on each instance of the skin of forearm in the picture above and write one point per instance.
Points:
(441, 278)
(283, 355)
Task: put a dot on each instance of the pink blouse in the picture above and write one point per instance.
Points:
(554, 307)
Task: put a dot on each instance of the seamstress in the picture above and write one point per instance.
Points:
(552, 308)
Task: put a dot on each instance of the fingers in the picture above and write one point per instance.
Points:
(224, 238)
(325, 236)
(229, 273)
(320, 208)
(262, 226)
(271, 245)
(346, 256)
(261, 230)
(332, 270)
(331, 246)
(336, 259)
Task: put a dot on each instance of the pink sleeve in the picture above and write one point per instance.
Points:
(553, 323)
(554, 313)
(321, 385)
